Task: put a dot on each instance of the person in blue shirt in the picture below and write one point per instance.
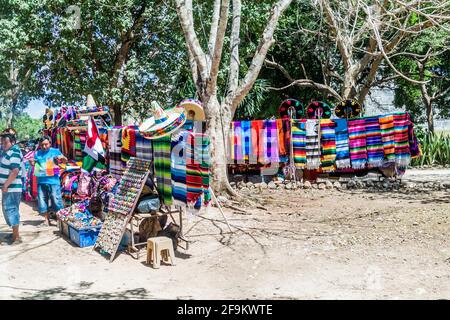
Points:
(46, 170)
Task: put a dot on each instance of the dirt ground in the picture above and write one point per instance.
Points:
(307, 244)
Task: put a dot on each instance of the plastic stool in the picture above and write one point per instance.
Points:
(157, 248)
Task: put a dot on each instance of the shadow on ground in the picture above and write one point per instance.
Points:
(64, 293)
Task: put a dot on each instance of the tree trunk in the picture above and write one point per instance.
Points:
(10, 119)
(117, 114)
(430, 114)
(217, 128)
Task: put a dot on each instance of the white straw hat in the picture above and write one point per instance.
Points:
(194, 109)
(163, 122)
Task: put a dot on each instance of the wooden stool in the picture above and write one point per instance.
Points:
(157, 248)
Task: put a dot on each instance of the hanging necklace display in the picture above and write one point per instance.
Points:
(318, 109)
(121, 205)
(348, 109)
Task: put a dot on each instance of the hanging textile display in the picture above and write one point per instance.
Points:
(115, 151)
(178, 169)
(144, 149)
(374, 142)
(197, 170)
(270, 139)
(284, 136)
(388, 136)
(237, 141)
(257, 129)
(299, 143)
(246, 139)
(342, 147)
(357, 142)
(128, 144)
(77, 147)
(402, 152)
(162, 156)
(328, 145)
(312, 145)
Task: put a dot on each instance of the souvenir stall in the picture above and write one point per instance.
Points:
(309, 139)
(171, 144)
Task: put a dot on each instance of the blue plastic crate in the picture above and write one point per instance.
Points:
(84, 237)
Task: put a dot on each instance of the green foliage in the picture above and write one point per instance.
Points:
(27, 128)
(435, 149)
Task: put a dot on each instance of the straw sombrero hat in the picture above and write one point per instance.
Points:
(194, 109)
(291, 104)
(163, 122)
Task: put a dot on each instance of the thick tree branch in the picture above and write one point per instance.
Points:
(213, 31)
(258, 59)
(235, 40)
(184, 10)
(306, 83)
(218, 47)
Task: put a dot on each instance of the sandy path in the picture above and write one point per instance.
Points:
(309, 244)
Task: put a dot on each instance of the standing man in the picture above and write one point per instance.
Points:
(11, 183)
(47, 172)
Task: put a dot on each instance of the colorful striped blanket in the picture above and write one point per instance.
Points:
(328, 145)
(299, 143)
(402, 152)
(270, 139)
(374, 142)
(312, 144)
(357, 142)
(388, 136)
(342, 144)
(162, 157)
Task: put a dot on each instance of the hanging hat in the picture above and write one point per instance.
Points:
(90, 101)
(194, 109)
(348, 109)
(318, 109)
(292, 104)
(163, 122)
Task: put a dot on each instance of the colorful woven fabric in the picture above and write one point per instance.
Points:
(374, 142)
(162, 156)
(115, 150)
(284, 136)
(312, 145)
(342, 144)
(357, 142)
(328, 145)
(77, 147)
(144, 148)
(246, 139)
(257, 152)
(237, 141)
(202, 149)
(299, 143)
(194, 179)
(270, 140)
(402, 152)
(178, 170)
(128, 144)
(387, 136)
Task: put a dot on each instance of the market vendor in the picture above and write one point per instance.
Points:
(11, 183)
(47, 171)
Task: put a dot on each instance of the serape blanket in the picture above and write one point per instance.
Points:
(312, 144)
(299, 143)
(374, 142)
(388, 136)
(402, 152)
(328, 145)
(357, 142)
(342, 144)
(162, 157)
